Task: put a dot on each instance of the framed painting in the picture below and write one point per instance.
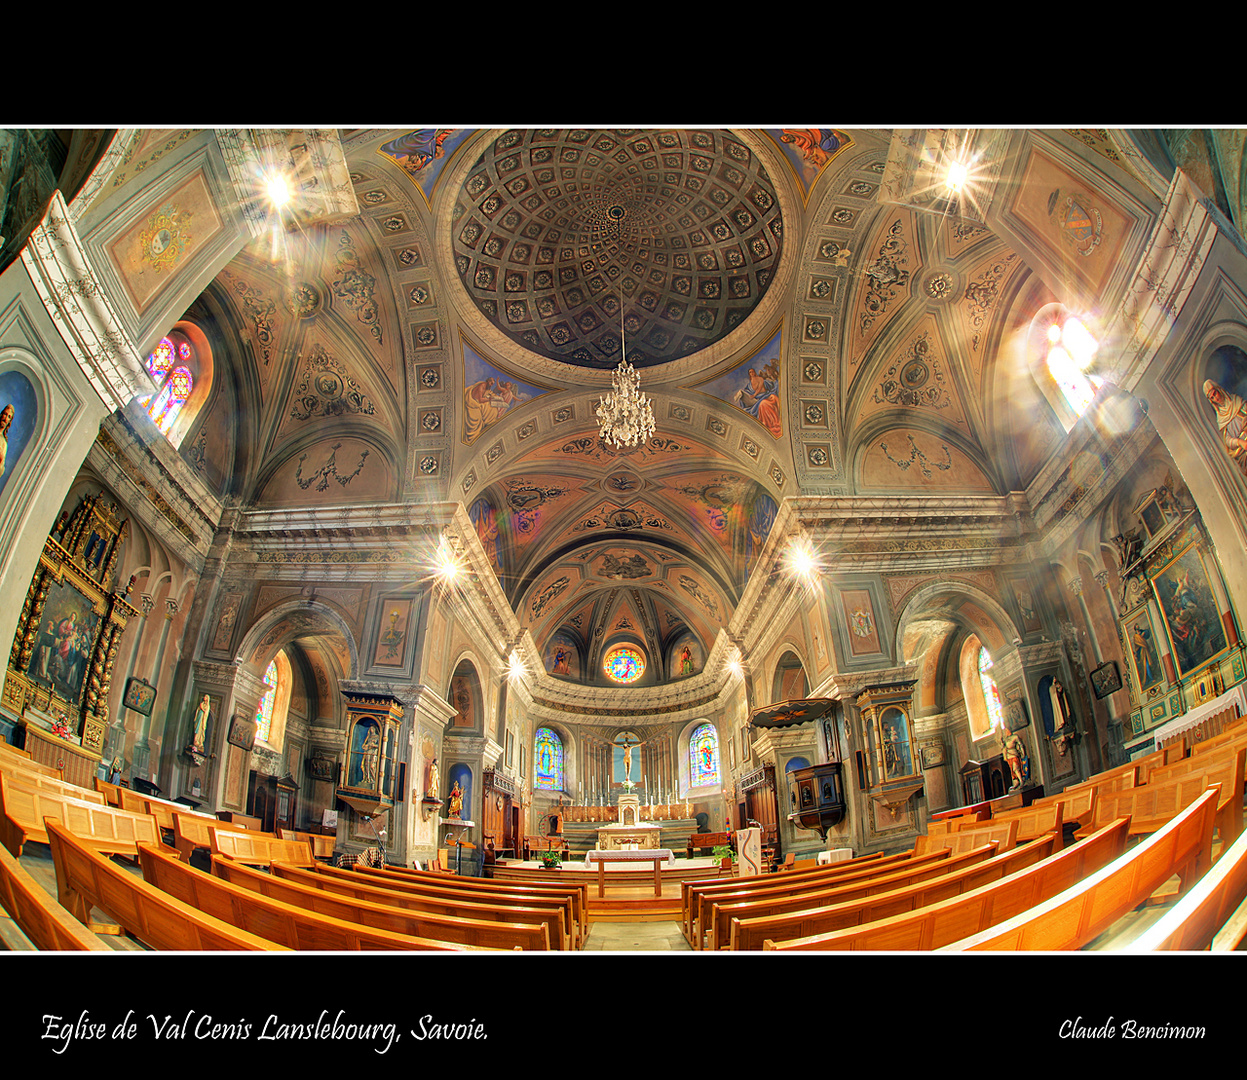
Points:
(140, 695)
(1192, 615)
(1144, 650)
(1106, 679)
(242, 732)
(66, 639)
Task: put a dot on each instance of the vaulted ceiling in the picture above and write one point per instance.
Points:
(452, 343)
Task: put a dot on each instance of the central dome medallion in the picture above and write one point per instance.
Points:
(555, 228)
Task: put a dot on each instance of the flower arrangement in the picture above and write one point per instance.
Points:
(550, 860)
(60, 727)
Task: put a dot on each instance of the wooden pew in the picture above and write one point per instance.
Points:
(192, 832)
(282, 924)
(1151, 805)
(322, 845)
(1082, 912)
(161, 809)
(464, 931)
(111, 792)
(256, 849)
(971, 835)
(43, 782)
(576, 894)
(693, 892)
(930, 925)
(23, 760)
(556, 917)
(1203, 918)
(86, 879)
(1077, 807)
(23, 812)
(1035, 821)
(754, 934)
(717, 913)
(44, 922)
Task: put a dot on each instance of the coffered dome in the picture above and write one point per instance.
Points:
(553, 228)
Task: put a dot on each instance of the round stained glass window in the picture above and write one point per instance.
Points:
(624, 665)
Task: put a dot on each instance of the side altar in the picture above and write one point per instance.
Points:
(629, 832)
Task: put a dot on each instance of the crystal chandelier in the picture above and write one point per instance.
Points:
(626, 415)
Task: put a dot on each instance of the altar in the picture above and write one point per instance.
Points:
(629, 832)
(618, 837)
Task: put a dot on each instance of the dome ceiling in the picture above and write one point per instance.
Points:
(502, 257)
(554, 229)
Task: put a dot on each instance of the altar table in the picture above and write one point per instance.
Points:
(658, 856)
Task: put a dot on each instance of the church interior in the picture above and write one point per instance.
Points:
(463, 499)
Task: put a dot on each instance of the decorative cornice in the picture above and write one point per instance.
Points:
(117, 151)
(79, 307)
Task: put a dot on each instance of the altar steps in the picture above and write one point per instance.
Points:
(629, 903)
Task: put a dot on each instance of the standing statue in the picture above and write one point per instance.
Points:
(434, 785)
(1015, 754)
(456, 801)
(200, 732)
(370, 752)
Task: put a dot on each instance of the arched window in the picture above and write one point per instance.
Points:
(181, 368)
(991, 693)
(264, 714)
(548, 760)
(1063, 353)
(703, 756)
(270, 715)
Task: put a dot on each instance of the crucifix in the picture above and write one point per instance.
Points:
(623, 740)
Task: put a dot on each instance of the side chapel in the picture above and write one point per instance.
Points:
(306, 513)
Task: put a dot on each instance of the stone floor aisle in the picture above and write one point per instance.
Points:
(636, 937)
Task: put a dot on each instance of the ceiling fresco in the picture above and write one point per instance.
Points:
(797, 332)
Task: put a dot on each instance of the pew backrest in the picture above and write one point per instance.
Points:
(47, 925)
(23, 812)
(85, 880)
(255, 849)
(1082, 912)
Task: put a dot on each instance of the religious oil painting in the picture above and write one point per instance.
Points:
(489, 394)
(1144, 649)
(754, 387)
(859, 616)
(1192, 615)
(18, 413)
(67, 632)
(563, 656)
(808, 150)
(424, 153)
(1225, 401)
(393, 634)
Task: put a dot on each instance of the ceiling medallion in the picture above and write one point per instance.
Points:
(625, 414)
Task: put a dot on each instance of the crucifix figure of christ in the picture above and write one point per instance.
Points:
(623, 740)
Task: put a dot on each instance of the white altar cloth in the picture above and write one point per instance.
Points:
(648, 854)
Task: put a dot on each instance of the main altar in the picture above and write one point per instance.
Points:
(629, 832)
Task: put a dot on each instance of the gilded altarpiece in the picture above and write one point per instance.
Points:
(70, 627)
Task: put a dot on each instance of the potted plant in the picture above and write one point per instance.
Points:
(550, 860)
(724, 854)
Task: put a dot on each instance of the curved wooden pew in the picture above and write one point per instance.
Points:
(694, 894)
(283, 924)
(849, 910)
(576, 893)
(1208, 916)
(563, 904)
(554, 917)
(1082, 912)
(936, 922)
(86, 879)
(193, 832)
(23, 811)
(43, 782)
(384, 916)
(259, 849)
(45, 923)
(322, 845)
(722, 919)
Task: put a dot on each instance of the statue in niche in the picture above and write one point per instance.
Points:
(456, 801)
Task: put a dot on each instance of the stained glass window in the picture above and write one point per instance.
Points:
(1071, 353)
(264, 714)
(548, 759)
(624, 664)
(991, 693)
(175, 382)
(703, 756)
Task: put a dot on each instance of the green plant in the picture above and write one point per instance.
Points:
(722, 851)
(550, 859)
